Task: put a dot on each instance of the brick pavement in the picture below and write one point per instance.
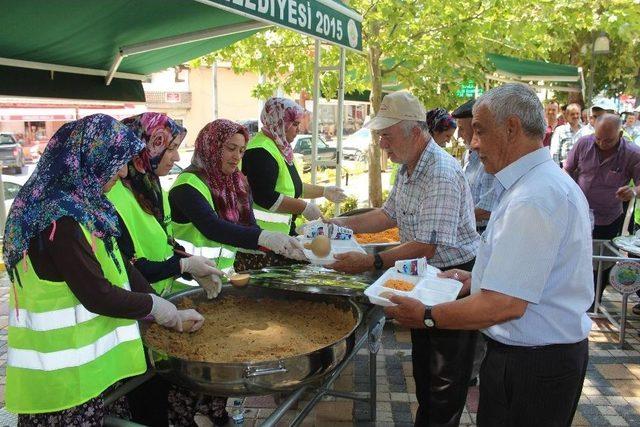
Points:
(610, 397)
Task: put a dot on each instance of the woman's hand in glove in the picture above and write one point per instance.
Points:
(311, 212)
(198, 266)
(212, 284)
(334, 194)
(164, 312)
(190, 320)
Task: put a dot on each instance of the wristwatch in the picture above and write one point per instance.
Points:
(377, 262)
(429, 323)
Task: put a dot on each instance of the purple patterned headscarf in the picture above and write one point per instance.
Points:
(158, 132)
(277, 116)
(79, 160)
(439, 120)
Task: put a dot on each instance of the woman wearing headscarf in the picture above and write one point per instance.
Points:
(441, 125)
(275, 183)
(211, 202)
(143, 209)
(74, 301)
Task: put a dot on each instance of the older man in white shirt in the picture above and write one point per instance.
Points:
(531, 284)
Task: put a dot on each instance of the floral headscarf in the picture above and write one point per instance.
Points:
(158, 132)
(439, 120)
(79, 160)
(230, 192)
(277, 115)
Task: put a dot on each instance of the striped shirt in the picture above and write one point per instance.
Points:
(434, 206)
(537, 247)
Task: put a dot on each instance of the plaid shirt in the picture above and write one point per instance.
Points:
(434, 206)
(562, 141)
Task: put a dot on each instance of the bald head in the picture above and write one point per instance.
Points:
(608, 131)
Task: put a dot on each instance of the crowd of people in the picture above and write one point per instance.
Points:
(93, 244)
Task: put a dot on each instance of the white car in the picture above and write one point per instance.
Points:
(12, 184)
(356, 145)
(167, 181)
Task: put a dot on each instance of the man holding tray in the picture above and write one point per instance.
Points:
(432, 206)
(531, 284)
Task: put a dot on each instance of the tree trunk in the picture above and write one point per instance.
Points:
(375, 177)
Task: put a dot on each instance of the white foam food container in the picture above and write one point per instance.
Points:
(337, 247)
(430, 290)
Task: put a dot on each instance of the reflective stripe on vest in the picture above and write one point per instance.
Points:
(149, 238)
(192, 239)
(269, 216)
(50, 320)
(266, 219)
(60, 354)
(73, 357)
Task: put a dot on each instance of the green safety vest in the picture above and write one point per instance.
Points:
(267, 220)
(192, 239)
(60, 354)
(149, 239)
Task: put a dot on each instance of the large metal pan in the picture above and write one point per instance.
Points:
(243, 379)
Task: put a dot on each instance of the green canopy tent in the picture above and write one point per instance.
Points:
(558, 77)
(103, 50)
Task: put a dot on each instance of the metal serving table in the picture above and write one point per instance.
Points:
(314, 280)
(605, 254)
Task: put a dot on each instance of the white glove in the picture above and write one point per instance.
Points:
(189, 316)
(164, 312)
(277, 242)
(212, 284)
(294, 250)
(334, 194)
(311, 212)
(198, 266)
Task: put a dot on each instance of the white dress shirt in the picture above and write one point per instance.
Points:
(537, 247)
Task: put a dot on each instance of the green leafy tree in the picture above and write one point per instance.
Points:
(432, 47)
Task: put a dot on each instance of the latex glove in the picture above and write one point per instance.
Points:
(277, 242)
(212, 284)
(190, 320)
(198, 266)
(164, 312)
(334, 194)
(311, 212)
(294, 250)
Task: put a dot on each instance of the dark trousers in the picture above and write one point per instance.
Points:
(531, 386)
(442, 362)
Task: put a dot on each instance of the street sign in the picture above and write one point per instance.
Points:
(468, 90)
(325, 19)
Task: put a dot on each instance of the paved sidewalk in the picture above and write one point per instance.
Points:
(610, 397)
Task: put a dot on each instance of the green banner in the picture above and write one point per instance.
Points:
(325, 19)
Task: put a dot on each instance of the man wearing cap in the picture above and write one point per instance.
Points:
(599, 108)
(530, 284)
(432, 206)
(480, 182)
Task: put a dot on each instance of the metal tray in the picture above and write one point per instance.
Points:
(312, 279)
(243, 379)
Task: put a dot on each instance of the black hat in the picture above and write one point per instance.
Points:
(465, 111)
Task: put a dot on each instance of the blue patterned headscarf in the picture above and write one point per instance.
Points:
(79, 160)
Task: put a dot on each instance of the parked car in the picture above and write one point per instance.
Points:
(11, 152)
(251, 125)
(356, 146)
(167, 181)
(302, 145)
(12, 185)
